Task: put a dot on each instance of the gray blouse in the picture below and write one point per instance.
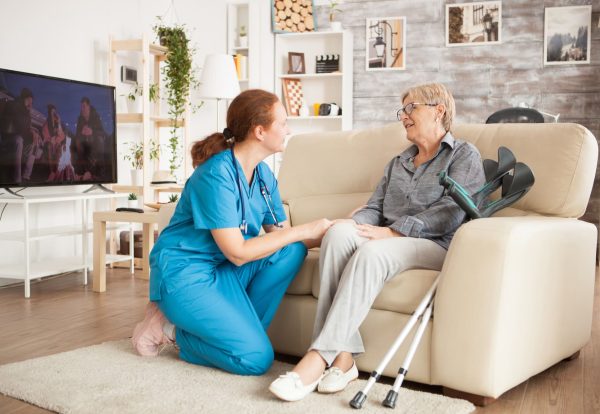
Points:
(411, 201)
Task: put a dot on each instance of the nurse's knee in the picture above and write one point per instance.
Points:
(297, 250)
(293, 253)
(257, 362)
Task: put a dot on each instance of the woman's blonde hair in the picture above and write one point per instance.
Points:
(434, 93)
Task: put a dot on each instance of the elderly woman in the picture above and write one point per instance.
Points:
(407, 223)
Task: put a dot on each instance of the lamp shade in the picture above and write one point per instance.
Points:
(219, 78)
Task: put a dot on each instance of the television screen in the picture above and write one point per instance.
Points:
(55, 131)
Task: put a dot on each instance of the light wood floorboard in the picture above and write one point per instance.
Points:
(62, 315)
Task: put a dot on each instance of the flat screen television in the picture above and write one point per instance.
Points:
(55, 131)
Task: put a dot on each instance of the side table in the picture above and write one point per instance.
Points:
(147, 218)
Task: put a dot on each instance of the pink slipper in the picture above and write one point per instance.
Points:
(148, 335)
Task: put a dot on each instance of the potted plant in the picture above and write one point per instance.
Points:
(333, 9)
(243, 36)
(173, 198)
(132, 200)
(178, 79)
(135, 156)
(133, 104)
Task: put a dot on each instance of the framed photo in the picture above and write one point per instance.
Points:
(296, 63)
(472, 24)
(292, 93)
(567, 35)
(386, 43)
(292, 16)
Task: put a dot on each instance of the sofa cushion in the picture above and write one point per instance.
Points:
(302, 283)
(401, 294)
(331, 206)
(562, 157)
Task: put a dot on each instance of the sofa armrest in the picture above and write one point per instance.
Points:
(286, 208)
(515, 297)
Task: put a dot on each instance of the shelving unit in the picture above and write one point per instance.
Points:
(150, 119)
(31, 270)
(245, 13)
(334, 87)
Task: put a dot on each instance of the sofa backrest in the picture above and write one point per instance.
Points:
(327, 174)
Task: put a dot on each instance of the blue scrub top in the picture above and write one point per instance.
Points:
(210, 200)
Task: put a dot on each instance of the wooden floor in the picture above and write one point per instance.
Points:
(62, 315)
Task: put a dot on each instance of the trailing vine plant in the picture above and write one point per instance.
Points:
(178, 79)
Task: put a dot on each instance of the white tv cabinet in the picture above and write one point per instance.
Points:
(29, 270)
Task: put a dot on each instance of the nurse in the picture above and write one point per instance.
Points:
(215, 284)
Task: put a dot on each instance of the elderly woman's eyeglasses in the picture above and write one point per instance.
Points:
(407, 109)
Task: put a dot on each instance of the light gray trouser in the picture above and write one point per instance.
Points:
(353, 271)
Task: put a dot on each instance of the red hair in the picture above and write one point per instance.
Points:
(251, 108)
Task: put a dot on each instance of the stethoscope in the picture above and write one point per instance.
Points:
(263, 190)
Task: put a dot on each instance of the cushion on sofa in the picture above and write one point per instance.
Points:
(334, 206)
(564, 174)
(303, 282)
(352, 162)
(401, 294)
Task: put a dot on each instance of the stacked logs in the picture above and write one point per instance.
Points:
(293, 15)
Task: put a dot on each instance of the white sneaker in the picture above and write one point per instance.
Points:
(335, 379)
(289, 387)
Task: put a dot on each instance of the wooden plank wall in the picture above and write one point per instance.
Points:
(483, 79)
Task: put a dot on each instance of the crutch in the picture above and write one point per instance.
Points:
(392, 395)
(361, 396)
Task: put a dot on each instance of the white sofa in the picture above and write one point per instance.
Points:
(516, 291)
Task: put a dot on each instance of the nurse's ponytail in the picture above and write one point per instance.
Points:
(248, 110)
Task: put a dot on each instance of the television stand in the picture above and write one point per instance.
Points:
(98, 187)
(11, 192)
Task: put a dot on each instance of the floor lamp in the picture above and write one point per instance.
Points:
(219, 79)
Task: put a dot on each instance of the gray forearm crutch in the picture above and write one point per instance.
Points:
(392, 395)
(424, 306)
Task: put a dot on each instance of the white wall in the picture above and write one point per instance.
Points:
(69, 39)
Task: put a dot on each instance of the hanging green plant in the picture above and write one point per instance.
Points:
(178, 79)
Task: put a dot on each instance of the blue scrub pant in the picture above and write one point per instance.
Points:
(222, 316)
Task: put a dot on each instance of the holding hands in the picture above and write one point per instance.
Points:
(314, 231)
(369, 231)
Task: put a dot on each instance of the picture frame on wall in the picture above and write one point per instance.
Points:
(296, 63)
(293, 96)
(385, 43)
(567, 35)
(474, 24)
(289, 16)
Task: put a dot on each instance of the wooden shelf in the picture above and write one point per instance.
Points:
(151, 119)
(310, 75)
(120, 188)
(167, 188)
(136, 118)
(138, 45)
(321, 118)
(137, 189)
(166, 122)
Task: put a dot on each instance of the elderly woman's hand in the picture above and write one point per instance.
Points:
(375, 232)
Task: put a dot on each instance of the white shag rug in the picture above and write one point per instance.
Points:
(111, 378)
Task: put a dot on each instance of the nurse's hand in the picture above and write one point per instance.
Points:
(314, 232)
